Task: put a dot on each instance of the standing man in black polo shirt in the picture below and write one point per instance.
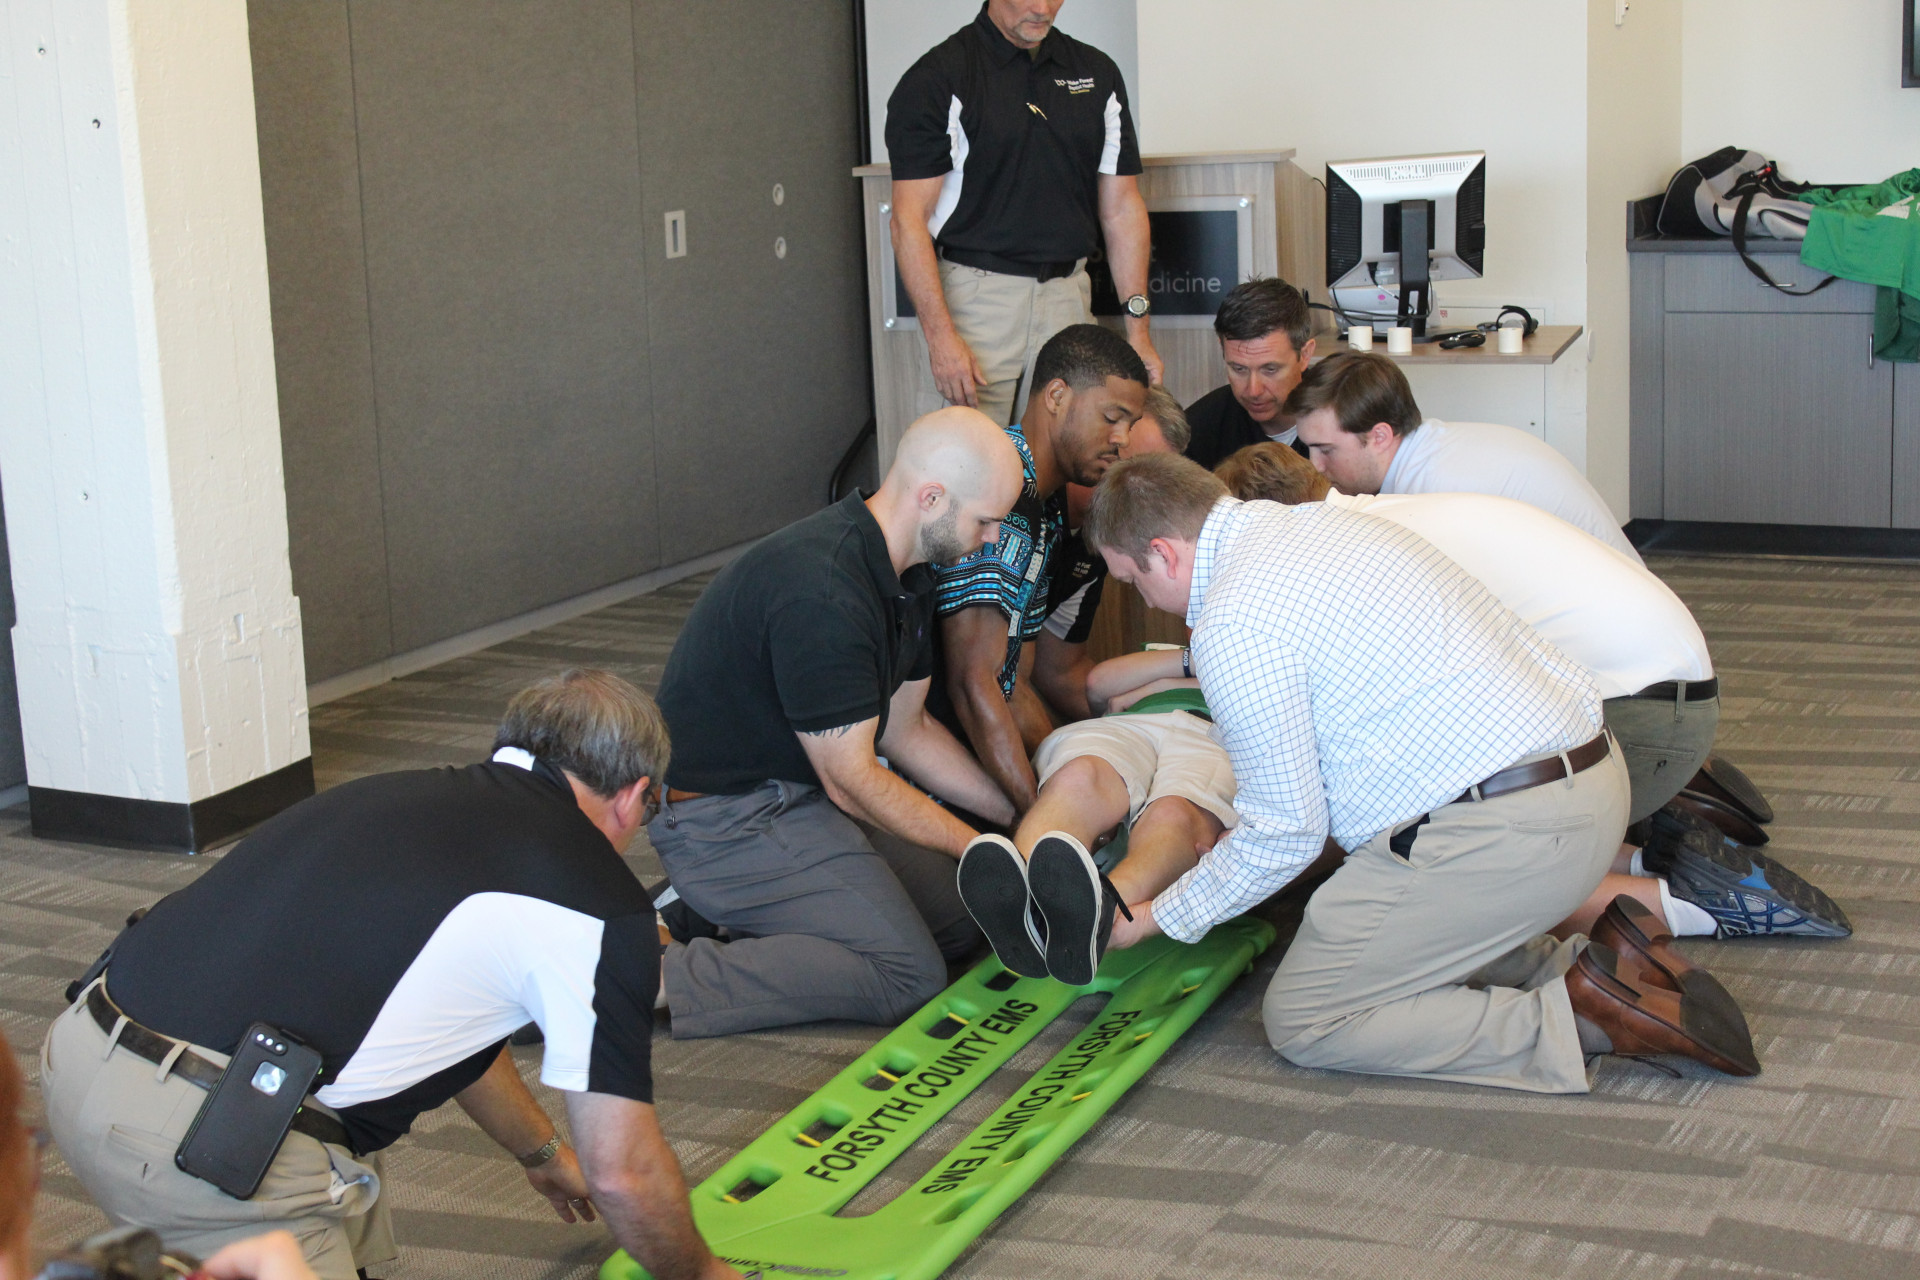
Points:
(806, 660)
(403, 926)
(1013, 157)
(1265, 332)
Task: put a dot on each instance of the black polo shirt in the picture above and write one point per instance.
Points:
(1078, 578)
(1222, 427)
(811, 629)
(404, 925)
(1021, 139)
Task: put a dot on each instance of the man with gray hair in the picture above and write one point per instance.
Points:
(1368, 689)
(402, 926)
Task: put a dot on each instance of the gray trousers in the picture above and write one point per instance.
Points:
(1433, 963)
(1664, 741)
(827, 919)
(119, 1119)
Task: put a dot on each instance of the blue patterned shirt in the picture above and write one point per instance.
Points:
(1014, 575)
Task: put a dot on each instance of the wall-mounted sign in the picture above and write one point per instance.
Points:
(1202, 248)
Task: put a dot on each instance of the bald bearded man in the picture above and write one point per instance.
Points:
(804, 662)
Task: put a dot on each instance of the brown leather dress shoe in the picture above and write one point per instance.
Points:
(1638, 935)
(1644, 1020)
(1731, 822)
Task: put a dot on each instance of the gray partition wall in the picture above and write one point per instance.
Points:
(496, 390)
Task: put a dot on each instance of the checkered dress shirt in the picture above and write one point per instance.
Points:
(1358, 679)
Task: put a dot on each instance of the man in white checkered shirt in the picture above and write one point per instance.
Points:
(1368, 688)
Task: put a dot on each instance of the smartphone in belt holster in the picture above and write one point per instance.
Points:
(246, 1116)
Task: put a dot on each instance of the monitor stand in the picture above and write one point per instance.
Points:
(1416, 278)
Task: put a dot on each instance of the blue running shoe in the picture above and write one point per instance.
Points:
(1746, 892)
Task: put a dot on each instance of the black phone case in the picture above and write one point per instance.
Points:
(240, 1128)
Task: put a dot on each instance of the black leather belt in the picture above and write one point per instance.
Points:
(193, 1068)
(1669, 690)
(1040, 271)
(1525, 776)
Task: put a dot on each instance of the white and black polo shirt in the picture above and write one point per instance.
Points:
(404, 925)
(1021, 139)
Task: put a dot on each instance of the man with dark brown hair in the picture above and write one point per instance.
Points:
(1266, 341)
(1363, 431)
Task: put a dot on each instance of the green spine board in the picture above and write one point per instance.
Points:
(1155, 990)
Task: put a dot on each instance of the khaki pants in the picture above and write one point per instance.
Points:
(1664, 741)
(1005, 320)
(118, 1124)
(1433, 964)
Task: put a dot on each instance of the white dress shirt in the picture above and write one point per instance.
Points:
(1606, 612)
(1358, 679)
(1479, 457)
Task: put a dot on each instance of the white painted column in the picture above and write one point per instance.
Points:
(157, 640)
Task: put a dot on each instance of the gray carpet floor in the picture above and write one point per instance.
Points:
(1226, 1161)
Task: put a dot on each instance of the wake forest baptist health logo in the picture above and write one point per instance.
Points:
(1082, 85)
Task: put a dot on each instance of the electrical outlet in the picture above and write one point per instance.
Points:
(677, 233)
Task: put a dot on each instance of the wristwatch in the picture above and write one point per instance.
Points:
(1186, 663)
(1138, 306)
(534, 1159)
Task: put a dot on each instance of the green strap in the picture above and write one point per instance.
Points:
(770, 1210)
(1170, 700)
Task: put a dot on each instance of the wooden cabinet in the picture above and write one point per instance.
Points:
(1750, 406)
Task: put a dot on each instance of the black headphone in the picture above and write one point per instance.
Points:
(1527, 323)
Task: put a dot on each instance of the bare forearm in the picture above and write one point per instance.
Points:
(934, 758)
(505, 1109)
(996, 740)
(638, 1187)
(919, 267)
(888, 801)
(1128, 238)
(1115, 676)
(1063, 683)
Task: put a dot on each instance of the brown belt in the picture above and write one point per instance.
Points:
(1539, 772)
(193, 1068)
(676, 796)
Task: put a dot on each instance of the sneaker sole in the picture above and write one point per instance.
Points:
(1771, 899)
(993, 886)
(1066, 887)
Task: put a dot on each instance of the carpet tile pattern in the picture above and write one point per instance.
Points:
(1226, 1161)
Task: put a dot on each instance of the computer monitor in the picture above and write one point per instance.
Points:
(1374, 207)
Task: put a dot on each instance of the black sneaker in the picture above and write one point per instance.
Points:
(993, 885)
(1076, 902)
(1746, 892)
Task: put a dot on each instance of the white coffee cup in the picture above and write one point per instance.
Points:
(1400, 340)
(1360, 337)
(1513, 339)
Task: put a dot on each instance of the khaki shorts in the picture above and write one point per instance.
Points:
(1162, 753)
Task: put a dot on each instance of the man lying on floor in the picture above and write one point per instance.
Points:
(1643, 648)
(1367, 688)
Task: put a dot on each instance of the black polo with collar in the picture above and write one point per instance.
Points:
(1222, 427)
(809, 630)
(1021, 138)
